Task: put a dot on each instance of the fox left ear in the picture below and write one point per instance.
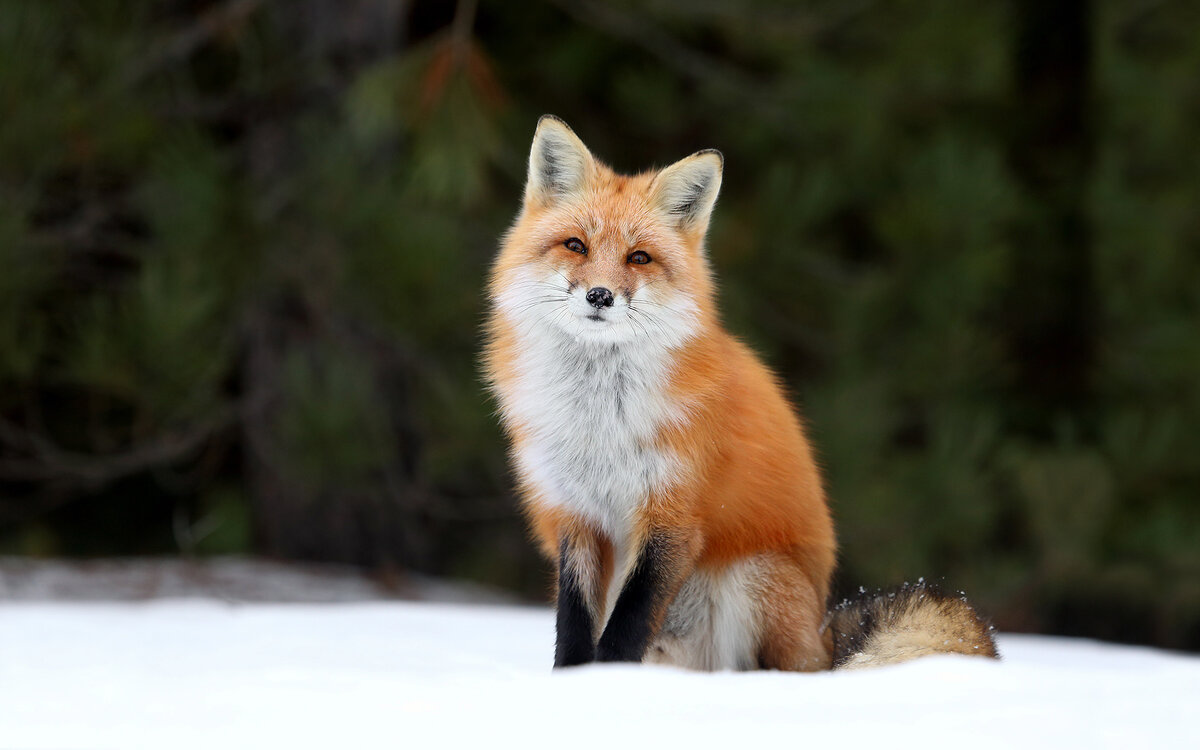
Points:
(687, 190)
(559, 164)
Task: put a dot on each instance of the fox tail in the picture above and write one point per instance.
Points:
(904, 623)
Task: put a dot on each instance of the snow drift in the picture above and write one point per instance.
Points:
(203, 674)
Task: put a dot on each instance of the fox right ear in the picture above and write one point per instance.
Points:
(559, 163)
(687, 190)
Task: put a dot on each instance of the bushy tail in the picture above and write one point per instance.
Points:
(907, 622)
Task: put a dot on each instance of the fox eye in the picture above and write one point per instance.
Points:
(575, 245)
(639, 257)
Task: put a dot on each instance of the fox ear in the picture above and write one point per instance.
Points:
(687, 190)
(559, 163)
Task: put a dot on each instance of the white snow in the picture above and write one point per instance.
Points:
(197, 673)
(232, 579)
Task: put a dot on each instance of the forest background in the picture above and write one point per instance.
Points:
(243, 243)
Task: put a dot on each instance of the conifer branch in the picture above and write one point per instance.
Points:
(47, 461)
(185, 42)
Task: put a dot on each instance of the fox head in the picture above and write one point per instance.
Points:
(603, 257)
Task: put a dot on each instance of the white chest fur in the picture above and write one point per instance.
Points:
(590, 412)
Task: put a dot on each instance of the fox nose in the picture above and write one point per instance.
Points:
(599, 297)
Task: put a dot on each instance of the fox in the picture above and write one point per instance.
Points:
(661, 467)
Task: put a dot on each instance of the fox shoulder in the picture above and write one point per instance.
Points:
(907, 622)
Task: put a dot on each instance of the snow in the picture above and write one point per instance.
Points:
(201, 673)
(241, 579)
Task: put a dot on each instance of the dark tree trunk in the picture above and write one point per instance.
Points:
(1050, 308)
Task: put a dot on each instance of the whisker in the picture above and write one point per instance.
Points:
(647, 318)
(564, 278)
(527, 306)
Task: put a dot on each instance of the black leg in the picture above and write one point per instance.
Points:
(573, 643)
(629, 629)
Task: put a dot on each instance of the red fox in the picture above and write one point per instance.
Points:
(660, 464)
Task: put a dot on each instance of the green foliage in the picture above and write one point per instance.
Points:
(331, 430)
(243, 254)
(223, 525)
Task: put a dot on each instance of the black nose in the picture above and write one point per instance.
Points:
(599, 297)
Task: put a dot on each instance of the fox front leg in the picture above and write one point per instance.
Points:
(663, 562)
(579, 574)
